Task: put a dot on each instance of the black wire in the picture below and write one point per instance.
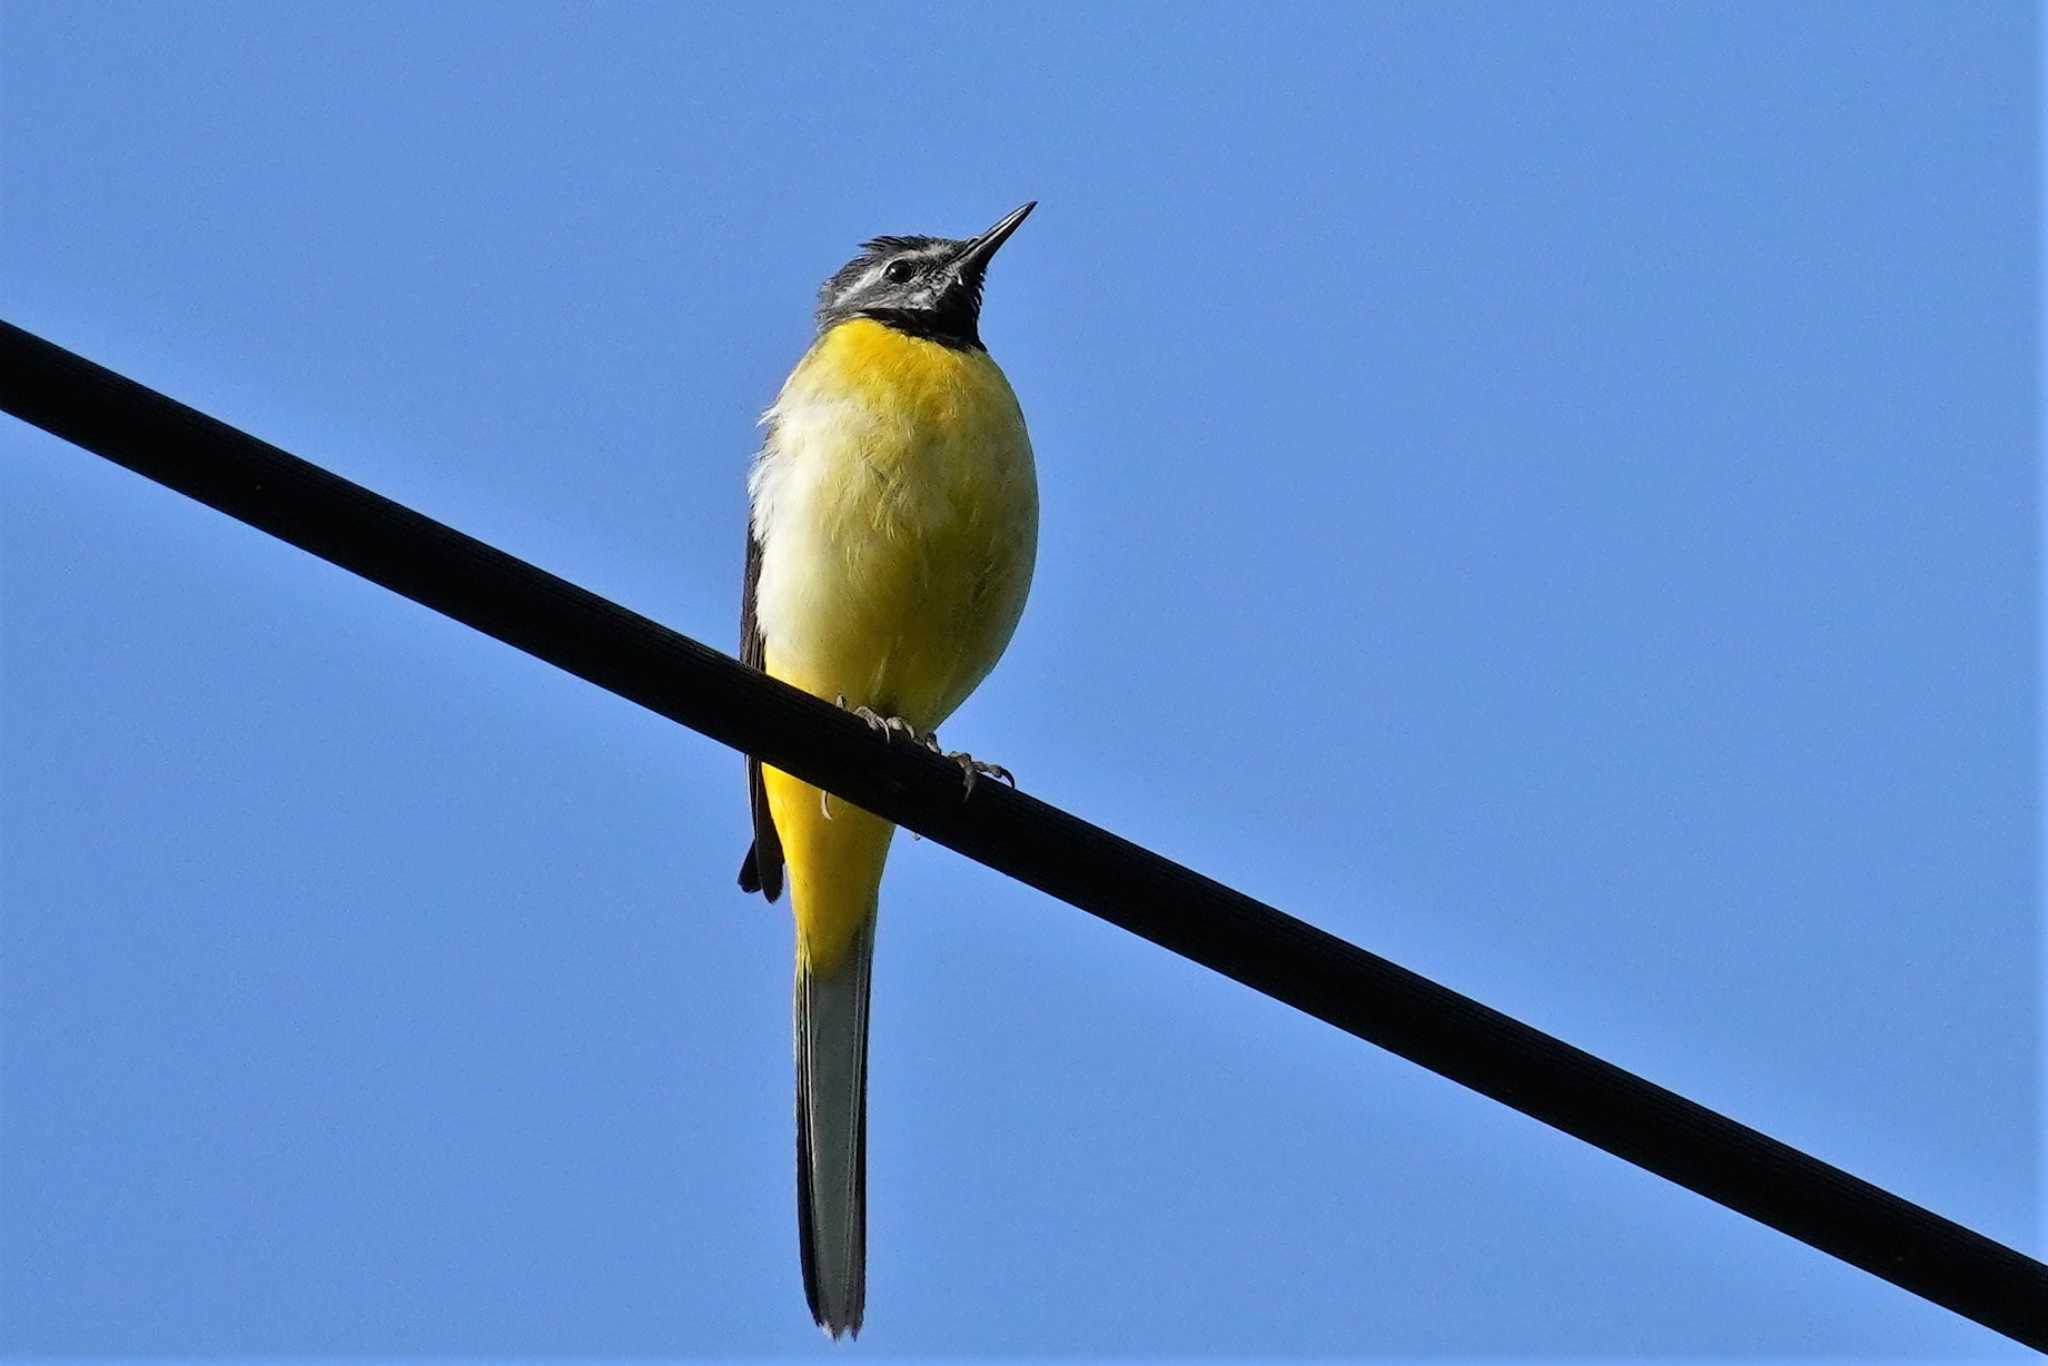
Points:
(1079, 863)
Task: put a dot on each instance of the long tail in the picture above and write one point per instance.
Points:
(832, 1133)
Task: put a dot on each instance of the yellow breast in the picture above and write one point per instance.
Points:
(897, 510)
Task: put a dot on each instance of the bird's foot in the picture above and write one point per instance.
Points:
(972, 768)
(888, 726)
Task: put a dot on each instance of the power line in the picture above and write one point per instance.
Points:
(1059, 854)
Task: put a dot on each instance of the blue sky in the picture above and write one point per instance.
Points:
(1547, 493)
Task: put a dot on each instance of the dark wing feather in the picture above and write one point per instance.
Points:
(761, 869)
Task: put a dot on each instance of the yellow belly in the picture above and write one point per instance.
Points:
(896, 507)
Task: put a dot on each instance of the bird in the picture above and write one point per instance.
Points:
(891, 537)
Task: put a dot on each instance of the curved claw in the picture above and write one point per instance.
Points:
(971, 768)
(889, 727)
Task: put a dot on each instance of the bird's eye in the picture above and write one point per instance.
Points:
(896, 272)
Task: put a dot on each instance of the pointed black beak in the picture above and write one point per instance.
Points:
(974, 260)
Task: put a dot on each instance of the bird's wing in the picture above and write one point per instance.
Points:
(761, 869)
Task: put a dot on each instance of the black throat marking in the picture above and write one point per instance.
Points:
(957, 328)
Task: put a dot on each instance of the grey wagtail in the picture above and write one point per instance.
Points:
(893, 529)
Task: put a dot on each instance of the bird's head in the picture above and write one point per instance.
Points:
(926, 286)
